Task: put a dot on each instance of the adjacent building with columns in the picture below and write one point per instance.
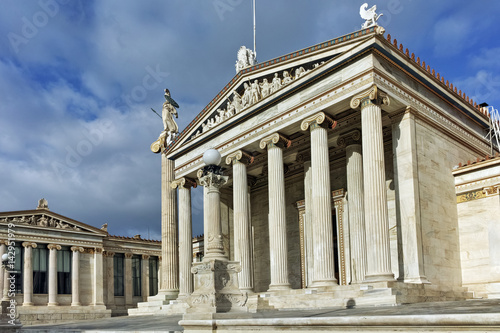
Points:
(338, 182)
(66, 270)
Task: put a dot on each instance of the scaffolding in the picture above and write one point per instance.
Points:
(494, 132)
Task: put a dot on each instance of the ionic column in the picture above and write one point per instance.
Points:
(145, 277)
(242, 239)
(308, 221)
(324, 265)
(128, 280)
(110, 279)
(378, 266)
(98, 290)
(277, 211)
(53, 248)
(213, 233)
(169, 285)
(185, 235)
(75, 275)
(28, 273)
(3, 275)
(351, 142)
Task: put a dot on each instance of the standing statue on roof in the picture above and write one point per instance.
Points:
(245, 58)
(167, 113)
(369, 16)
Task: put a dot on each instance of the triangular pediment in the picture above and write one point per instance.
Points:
(261, 84)
(44, 218)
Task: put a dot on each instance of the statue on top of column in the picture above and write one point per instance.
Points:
(170, 128)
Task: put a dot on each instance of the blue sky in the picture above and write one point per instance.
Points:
(78, 79)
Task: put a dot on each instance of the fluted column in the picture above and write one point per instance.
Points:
(378, 266)
(242, 239)
(98, 290)
(351, 142)
(277, 211)
(324, 265)
(128, 279)
(185, 235)
(145, 277)
(53, 248)
(75, 275)
(170, 268)
(213, 233)
(110, 279)
(28, 273)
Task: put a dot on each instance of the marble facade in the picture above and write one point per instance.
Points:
(340, 185)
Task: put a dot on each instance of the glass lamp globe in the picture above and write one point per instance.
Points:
(212, 157)
(5, 257)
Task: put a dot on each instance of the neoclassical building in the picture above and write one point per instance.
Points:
(340, 184)
(66, 270)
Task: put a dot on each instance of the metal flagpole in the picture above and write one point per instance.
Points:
(254, 45)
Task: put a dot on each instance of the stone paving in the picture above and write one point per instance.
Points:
(170, 323)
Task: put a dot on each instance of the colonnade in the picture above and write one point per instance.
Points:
(368, 215)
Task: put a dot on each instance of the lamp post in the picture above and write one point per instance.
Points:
(215, 278)
(9, 321)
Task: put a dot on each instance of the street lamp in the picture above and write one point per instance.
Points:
(212, 159)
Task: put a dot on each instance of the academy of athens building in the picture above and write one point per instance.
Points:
(349, 168)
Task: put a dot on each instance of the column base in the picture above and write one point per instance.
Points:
(417, 280)
(166, 295)
(279, 287)
(53, 304)
(324, 283)
(28, 304)
(76, 304)
(389, 277)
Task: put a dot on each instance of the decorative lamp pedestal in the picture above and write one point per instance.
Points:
(216, 290)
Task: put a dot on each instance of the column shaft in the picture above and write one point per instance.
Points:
(214, 241)
(242, 251)
(98, 290)
(376, 216)
(324, 268)
(53, 273)
(356, 212)
(277, 220)
(185, 242)
(3, 250)
(170, 268)
(308, 225)
(145, 277)
(110, 279)
(28, 274)
(128, 280)
(75, 276)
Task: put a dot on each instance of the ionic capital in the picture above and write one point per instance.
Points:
(29, 244)
(240, 156)
(183, 182)
(145, 257)
(275, 140)
(318, 119)
(349, 138)
(77, 249)
(213, 180)
(98, 250)
(370, 96)
(128, 255)
(54, 247)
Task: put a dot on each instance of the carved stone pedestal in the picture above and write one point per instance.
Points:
(216, 290)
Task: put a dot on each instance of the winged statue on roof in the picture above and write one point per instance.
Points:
(245, 58)
(369, 15)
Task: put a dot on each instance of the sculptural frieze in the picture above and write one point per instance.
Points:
(40, 220)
